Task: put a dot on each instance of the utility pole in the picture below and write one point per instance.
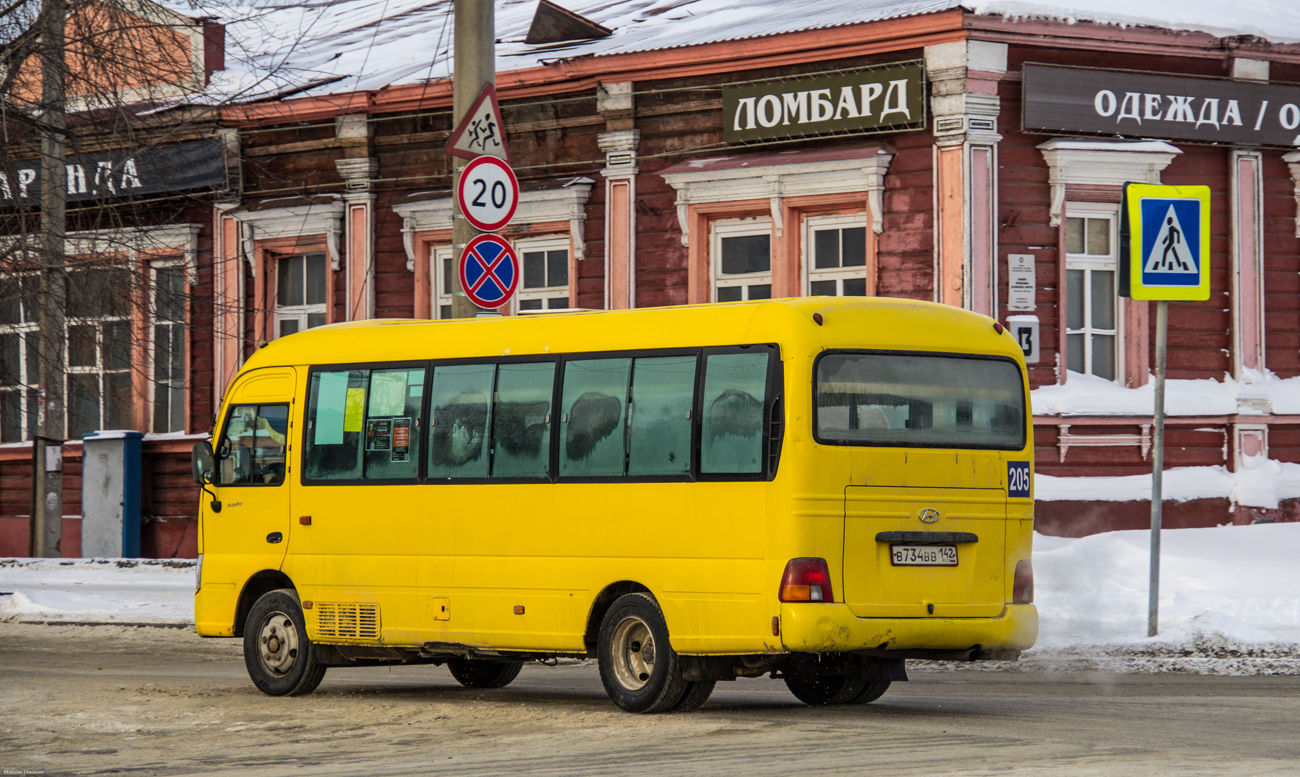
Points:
(474, 68)
(47, 480)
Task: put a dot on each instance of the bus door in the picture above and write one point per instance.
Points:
(251, 479)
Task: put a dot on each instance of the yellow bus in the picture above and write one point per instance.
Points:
(812, 489)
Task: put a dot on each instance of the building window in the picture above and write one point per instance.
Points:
(442, 273)
(741, 252)
(99, 381)
(1092, 322)
(835, 256)
(168, 310)
(19, 368)
(545, 285)
(300, 293)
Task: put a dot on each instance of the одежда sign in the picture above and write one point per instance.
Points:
(878, 98)
(1142, 105)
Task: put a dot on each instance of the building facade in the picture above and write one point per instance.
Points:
(971, 160)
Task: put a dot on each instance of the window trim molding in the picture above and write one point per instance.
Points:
(776, 182)
(1101, 163)
(544, 242)
(718, 229)
(836, 220)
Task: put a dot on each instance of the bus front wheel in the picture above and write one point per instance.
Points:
(280, 658)
(473, 673)
(638, 666)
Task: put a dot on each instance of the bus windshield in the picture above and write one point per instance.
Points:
(924, 400)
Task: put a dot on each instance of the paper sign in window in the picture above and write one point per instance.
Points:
(401, 440)
(356, 405)
(387, 393)
(331, 396)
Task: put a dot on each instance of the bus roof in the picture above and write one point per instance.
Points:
(847, 322)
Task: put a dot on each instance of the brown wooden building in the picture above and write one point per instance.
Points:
(933, 154)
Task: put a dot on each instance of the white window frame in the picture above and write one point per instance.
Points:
(547, 294)
(154, 322)
(26, 383)
(811, 274)
(742, 227)
(99, 367)
(298, 313)
(1088, 263)
(440, 296)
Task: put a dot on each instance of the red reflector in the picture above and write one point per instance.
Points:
(519, 609)
(997, 327)
(806, 580)
(1022, 590)
(776, 626)
(306, 605)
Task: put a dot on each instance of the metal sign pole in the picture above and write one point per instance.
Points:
(1157, 468)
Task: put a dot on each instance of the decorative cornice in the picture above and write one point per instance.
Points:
(297, 220)
(1102, 163)
(776, 182)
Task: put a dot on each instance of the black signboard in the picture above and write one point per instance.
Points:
(115, 175)
(1116, 102)
(883, 98)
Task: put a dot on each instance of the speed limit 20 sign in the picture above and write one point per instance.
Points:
(487, 193)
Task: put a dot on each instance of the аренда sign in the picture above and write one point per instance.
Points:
(1115, 102)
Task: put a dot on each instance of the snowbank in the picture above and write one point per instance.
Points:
(1260, 482)
(108, 590)
(1230, 588)
(1256, 393)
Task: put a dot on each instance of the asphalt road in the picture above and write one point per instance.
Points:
(94, 700)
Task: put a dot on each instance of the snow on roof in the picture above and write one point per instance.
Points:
(339, 46)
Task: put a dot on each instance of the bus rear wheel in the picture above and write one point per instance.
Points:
(638, 666)
(281, 660)
(871, 690)
(475, 673)
(823, 690)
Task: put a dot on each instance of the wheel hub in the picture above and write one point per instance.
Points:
(277, 643)
(634, 653)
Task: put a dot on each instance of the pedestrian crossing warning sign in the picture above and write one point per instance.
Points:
(1166, 238)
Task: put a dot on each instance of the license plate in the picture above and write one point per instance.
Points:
(923, 555)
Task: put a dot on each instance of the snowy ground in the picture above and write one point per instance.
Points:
(1229, 599)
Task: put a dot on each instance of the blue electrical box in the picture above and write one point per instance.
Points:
(111, 470)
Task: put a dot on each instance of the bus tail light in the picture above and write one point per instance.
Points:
(1022, 590)
(807, 580)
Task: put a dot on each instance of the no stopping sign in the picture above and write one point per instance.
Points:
(488, 193)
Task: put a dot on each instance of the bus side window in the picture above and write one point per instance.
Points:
(735, 385)
(460, 411)
(659, 435)
(392, 441)
(594, 420)
(253, 445)
(521, 420)
(336, 404)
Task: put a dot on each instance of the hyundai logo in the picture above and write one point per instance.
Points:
(928, 515)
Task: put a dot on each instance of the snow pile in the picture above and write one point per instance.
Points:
(1274, 20)
(1087, 395)
(314, 49)
(97, 590)
(1228, 594)
(1260, 482)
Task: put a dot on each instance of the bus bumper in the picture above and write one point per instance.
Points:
(831, 628)
(214, 610)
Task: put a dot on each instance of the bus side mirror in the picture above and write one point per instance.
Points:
(203, 466)
(202, 462)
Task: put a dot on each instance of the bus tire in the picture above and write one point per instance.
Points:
(281, 660)
(696, 696)
(872, 690)
(827, 689)
(638, 667)
(473, 673)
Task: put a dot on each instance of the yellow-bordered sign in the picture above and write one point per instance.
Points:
(1167, 251)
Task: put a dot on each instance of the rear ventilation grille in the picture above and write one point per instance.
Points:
(347, 621)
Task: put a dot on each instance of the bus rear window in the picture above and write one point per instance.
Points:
(919, 400)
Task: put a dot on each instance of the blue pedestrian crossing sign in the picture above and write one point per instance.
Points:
(1167, 242)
